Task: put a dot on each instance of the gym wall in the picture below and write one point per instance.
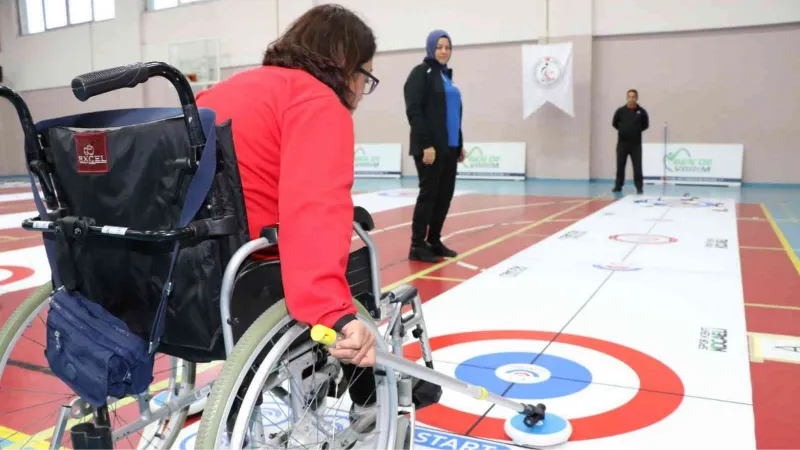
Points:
(715, 74)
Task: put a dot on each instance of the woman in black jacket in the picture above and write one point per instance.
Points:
(434, 110)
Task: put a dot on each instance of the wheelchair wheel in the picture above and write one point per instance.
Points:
(278, 388)
(37, 409)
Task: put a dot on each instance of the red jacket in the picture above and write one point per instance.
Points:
(294, 144)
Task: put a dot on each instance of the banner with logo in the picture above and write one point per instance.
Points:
(493, 161)
(547, 77)
(705, 164)
(378, 160)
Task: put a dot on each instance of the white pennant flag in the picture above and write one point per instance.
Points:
(547, 77)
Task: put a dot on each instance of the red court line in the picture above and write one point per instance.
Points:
(769, 278)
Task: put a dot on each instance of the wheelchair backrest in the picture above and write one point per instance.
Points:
(128, 172)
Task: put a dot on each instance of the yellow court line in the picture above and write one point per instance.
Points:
(785, 242)
(472, 251)
(766, 305)
(746, 247)
(20, 440)
(456, 280)
(163, 384)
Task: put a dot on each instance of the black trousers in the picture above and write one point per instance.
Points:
(437, 182)
(361, 383)
(634, 150)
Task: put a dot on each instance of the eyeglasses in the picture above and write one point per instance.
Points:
(371, 82)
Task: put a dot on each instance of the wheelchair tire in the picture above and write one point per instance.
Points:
(227, 385)
(9, 332)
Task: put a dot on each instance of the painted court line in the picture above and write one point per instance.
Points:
(785, 242)
(467, 266)
(746, 247)
(22, 440)
(766, 305)
(455, 280)
(459, 214)
(479, 248)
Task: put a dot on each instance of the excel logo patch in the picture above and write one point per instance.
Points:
(92, 152)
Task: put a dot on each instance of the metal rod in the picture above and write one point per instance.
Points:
(664, 162)
(226, 290)
(439, 379)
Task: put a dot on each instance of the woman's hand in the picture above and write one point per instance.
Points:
(357, 347)
(429, 155)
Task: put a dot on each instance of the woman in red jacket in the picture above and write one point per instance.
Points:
(293, 132)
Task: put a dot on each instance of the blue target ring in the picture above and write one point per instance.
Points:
(549, 377)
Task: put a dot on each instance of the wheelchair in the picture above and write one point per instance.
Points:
(142, 215)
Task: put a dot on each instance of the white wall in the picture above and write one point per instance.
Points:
(245, 27)
(613, 17)
(52, 59)
(405, 24)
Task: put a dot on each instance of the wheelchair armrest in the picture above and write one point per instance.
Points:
(270, 233)
(84, 227)
(362, 217)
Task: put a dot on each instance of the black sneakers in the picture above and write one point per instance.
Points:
(423, 254)
(440, 249)
(430, 252)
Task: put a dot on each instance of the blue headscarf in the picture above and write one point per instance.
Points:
(433, 40)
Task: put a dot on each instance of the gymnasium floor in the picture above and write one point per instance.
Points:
(649, 322)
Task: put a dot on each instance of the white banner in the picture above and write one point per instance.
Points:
(493, 161)
(706, 164)
(547, 77)
(378, 160)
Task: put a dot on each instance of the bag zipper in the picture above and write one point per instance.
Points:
(78, 324)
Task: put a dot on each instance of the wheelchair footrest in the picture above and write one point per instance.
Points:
(425, 394)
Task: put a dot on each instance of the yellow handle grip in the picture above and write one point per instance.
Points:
(323, 335)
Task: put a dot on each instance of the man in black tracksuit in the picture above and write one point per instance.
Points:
(630, 121)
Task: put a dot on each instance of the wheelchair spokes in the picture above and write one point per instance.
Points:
(40, 410)
(278, 389)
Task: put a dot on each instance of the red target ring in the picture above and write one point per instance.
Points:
(17, 273)
(659, 395)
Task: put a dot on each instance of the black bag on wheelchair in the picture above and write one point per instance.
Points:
(146, 218)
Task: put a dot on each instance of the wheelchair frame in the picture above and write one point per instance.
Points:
(387, 305)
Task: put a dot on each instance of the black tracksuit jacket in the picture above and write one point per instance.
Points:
(630, 123)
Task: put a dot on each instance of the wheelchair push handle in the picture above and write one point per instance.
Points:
(37, 161)
(99, 82)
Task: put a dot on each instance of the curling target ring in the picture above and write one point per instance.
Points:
(643, 239)
(12, 274)
(645, 408)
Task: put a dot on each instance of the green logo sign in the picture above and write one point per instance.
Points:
(362, 160)
(681, 161)
(475, 159)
